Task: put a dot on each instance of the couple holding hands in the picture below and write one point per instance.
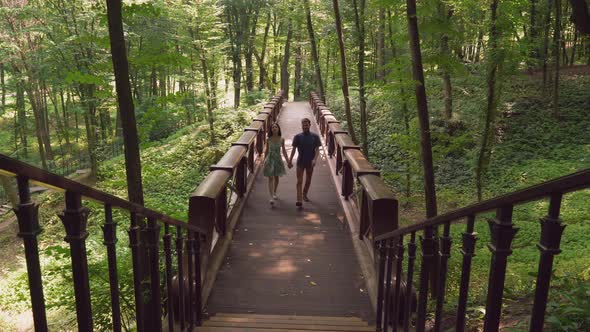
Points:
(308, 146)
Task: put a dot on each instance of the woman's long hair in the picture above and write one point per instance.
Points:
(270, 131)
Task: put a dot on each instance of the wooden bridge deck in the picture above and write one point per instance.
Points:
(291, 261)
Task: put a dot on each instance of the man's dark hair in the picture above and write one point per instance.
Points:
(306, 120)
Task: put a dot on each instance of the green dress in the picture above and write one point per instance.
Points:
(273, 164)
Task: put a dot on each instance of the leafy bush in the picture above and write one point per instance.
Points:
(570, 308)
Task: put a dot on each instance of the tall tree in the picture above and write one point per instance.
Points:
(422, 105)
(491, 109)
(314, 51)
(343, 70)
(125, 101)
(359, 19)
(285, 62)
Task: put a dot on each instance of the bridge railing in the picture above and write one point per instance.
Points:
(376, 203)
(213, 204)
(145, 241)
(391, 245)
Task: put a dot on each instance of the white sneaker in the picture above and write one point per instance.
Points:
(275, 196)
(272, 201)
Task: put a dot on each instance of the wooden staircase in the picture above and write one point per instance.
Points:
(225, 322)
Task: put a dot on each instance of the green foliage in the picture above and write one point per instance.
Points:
(570, 308)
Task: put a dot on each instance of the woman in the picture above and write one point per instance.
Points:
(273, 164)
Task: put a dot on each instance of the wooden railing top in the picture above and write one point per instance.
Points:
(12, 167)
(562, 185)
(231, 158)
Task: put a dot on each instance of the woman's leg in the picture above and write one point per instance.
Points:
(271, 185)
(276, 184)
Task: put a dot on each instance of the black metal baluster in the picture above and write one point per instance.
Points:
(468, 251)
(428, 247)
(199, 288)
(502, 233)
(398, 282)
(110, 240)
(75, 218)
(388, 266)
(181, 302)
(27, 214)
(409, 282)
(134, 243)
(551, 231)
(168, 259)
(444, 254)
(379, 318)
(152, 246)
(190, 248)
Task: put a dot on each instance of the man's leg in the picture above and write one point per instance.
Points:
(299, 183)
(308, 174)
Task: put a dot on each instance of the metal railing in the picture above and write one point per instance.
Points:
(396, 248)
(502, 231)
(144, 238)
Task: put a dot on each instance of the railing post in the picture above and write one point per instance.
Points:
(179, 257)
(153, 237)
(198, 279)
(444, 254)
(241, 177)
(551, 231)
(190, 250)
(110, 239)
(221, 211)
(380, 291)
(409, 281)
(169, 286)
(134, 244)
(75, 218)
(347, 179)
(468, 251)
(502, 233)
(428, 248)
(27, 214)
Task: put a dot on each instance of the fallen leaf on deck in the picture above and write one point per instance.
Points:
(313, 283)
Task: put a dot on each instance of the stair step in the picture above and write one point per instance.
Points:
(289, 320)
(250, 329)
(292, 317)
(288, 326)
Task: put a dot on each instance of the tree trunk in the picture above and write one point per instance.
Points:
(253, 17)
(3, 86)
(261, 66)
(285, 62)
(314, 52)
(574, 48)
(344, 74)
(421, 103)
(126, 108)
(546, 41)
(298, 83)
(445, 52)
(10, 190)
(488, 132)
(22, 116)
(381, 45)
(556, 46)
(359, 18)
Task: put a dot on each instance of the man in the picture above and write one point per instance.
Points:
(308, 147)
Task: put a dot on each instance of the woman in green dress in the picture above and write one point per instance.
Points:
(273, 164)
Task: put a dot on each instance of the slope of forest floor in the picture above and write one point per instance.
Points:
(532, 145)
(171, 170)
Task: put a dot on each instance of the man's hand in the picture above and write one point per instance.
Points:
(313, 163)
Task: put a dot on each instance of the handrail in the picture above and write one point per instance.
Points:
(59, 183)
(564, 184)
(378, 207)
(208, 206)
